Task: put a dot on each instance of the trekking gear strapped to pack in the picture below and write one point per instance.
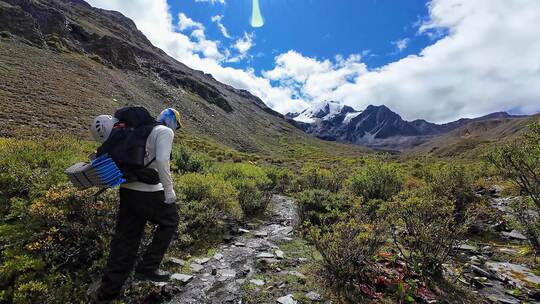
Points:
(121, 157)
(101, 172)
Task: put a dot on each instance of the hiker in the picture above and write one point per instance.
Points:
(150, 198)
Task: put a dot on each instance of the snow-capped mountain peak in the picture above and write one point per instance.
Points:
(324, 111)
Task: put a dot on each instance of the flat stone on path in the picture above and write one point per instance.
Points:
(242, 230)
(265, 255)
(514, 234)
(196, 267)
(201, 261)
(283, 230)
(257, 282)
(225, 274)
(261, 234)
(466, 247)
(218, 256)
(520, 275)
(481, 271)
(288, 299)
(177, 261)
(184, 278)
(313, 296)
(239, 244)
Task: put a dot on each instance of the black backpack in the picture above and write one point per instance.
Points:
(127, 144)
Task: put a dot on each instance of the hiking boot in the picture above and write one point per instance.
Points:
(154, 275)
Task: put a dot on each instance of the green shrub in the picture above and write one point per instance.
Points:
(30, 167)
(51, 234)
(322, 207)
(348, 246)
(186, 161)
(313, 177)
(281, 179)
(454, 182)
(252, 183)
(376, 180)
(425, 229)
(519, 162)
(204, 199)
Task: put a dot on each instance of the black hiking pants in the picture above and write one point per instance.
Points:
(136, 209)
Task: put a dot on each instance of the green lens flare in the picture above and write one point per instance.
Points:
(256, 16)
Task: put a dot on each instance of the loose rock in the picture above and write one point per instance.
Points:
(257, 282)
(467, 247)
(261, 234)
(225, 274)
(280, 254)
(196, 267)
(265, 255)
(184, 278)
(313, 296)
(201, 261)
(515, 235)
(288, 299)
(297, 274)
(177, 261)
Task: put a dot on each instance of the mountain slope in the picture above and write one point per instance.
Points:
(63, 62)
(376, 126)
(473, 137)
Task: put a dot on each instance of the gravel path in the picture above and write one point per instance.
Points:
(219, 278)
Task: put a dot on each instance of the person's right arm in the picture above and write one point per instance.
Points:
(164, 143)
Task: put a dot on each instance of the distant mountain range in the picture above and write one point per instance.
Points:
(376, 127)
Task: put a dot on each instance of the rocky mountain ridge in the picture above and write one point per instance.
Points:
(376, 126)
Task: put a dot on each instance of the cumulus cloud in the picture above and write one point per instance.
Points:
(313, 79)
(484, 58)
(401, 44)
(217, 19)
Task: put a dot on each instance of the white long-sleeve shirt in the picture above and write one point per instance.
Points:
(158, 146)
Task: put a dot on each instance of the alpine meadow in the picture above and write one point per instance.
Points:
(269, 151)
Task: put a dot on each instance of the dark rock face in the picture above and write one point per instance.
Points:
(55, 25)
(376, 127)
(19, 23)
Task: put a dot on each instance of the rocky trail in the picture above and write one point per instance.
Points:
(496, 269)
(250, 268)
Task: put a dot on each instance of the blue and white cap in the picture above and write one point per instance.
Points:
(171, 118)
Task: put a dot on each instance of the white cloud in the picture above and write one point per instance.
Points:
(313, 79)
(401, 44)
(184, 23)
(488, 61)
(244, 44)
(217, 19)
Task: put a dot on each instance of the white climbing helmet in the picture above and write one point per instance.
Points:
(101, 127)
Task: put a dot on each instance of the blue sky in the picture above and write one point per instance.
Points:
(439, 60)
(316, 28)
